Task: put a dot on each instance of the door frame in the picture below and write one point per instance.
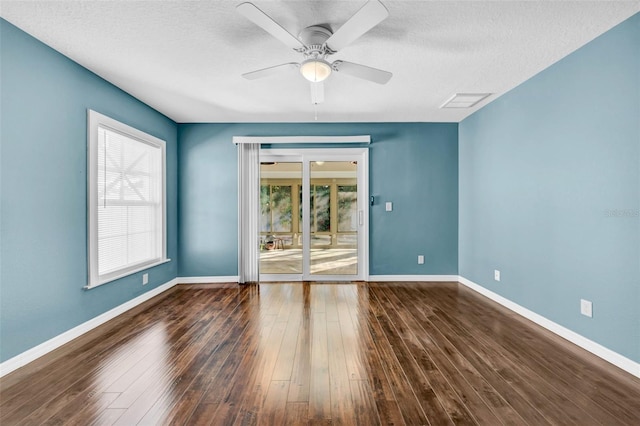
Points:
(306, 156)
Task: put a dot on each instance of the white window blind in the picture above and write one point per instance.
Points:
(126, 200)
(249, 213)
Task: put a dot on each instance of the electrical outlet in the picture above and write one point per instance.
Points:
(496, 275)
(145, 279)
(586, 308)
(420, 259)
(388, 206)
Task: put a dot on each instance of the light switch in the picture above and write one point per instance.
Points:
(388, 206)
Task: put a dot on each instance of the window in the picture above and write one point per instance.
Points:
(126, 200)
(276, 208)
(278, 202)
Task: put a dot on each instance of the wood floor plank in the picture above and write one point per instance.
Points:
(283, 369)
(410, 405)
(571, 370)
(297, 414)
(444, 336)
(495, 392)
(433, 362)
(274, 409)
(342, 402)
(421, 385)
(188, 347)
(238, 374)
(183, 343)
(317, 294)
(385, 402)
(82, 410)
(354, 355)
(331, 301)
(207, 345)
(301, 371)
(256, 393)
(150, 407)
(522, 394)
(202, 415)
(200, 379)
(244, 372)
(205, 306)
(56, 404)
(108, 416)
(301, 353)
(435, 324)
(292, 294)
(571, 408)
(39, 402)
(37, 373)
(33, 393)
(533, 371)
(365, 411)
(319, 382)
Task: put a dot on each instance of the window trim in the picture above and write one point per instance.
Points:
(95, 120)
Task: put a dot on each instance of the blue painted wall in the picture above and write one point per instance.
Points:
(414, 165)
(550, 191)
(43, 192)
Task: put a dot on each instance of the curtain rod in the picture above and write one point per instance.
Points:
(301, 139)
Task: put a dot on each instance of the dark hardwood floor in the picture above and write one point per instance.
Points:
(366, 354)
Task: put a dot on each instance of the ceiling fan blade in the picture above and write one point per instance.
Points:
(264, 21)
(267, 72)
(317, 93)
(370, 15)
(362, 71)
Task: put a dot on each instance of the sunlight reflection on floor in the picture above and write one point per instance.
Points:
(323, 261)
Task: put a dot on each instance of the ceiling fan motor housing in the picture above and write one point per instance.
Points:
(314, 38)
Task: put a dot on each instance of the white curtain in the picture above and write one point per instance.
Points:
(248, 212)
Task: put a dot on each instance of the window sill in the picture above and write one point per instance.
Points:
(127, 273)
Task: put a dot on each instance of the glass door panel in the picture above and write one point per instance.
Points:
(280, 225)
(333, 217)
(313, 218)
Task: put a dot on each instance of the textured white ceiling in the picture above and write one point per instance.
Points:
(185, 58)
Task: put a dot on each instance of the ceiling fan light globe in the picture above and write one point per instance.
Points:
(315, 70)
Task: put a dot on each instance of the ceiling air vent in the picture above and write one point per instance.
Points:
(464, 100)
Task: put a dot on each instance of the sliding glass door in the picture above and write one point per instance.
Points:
(280, 218)
(333, 217)
(314, 222)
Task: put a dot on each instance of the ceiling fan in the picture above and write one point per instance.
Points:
(317, 43)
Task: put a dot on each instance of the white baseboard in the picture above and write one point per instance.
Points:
(597, 349)
(428, 278)
(207, 280)
(36, 352)
(372, 278)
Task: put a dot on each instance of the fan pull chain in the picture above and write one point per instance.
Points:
(315, 111)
